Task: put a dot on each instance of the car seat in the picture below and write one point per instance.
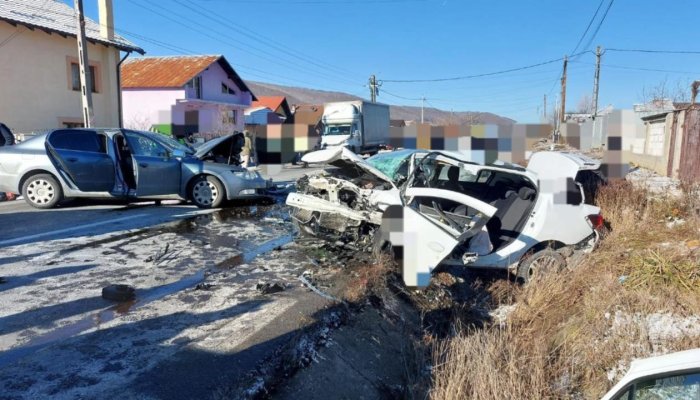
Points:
(504, 226)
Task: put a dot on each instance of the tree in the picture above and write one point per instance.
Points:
(677, 92)
(585, 105)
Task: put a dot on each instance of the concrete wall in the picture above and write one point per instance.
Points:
(36, 82)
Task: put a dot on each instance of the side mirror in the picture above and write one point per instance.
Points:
(177, 153)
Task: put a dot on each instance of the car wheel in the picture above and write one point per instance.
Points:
(536, 265)
(207, 192)
(42, 191)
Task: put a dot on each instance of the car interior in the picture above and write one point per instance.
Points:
(512, 195)
(125, 161)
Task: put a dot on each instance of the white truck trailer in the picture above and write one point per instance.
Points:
(361, 126)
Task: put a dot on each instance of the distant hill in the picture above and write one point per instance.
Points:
(297, 95)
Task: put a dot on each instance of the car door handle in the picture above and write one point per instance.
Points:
(143, 165)
(72, 159)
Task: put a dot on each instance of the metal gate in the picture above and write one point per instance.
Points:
(689, 167)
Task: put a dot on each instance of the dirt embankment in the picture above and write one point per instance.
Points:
(485, 336)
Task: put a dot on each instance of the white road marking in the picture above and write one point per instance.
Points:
(66, 230)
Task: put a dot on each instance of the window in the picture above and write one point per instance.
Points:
(672, 387)
(73, 125)
(78, 140)
(229, 117)
(196, 84)
(143, 146)
(226, 90)
(75, 77)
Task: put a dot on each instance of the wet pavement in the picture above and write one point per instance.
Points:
(196, 276)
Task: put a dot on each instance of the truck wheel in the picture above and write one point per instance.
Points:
(536, 265)
(42, 191)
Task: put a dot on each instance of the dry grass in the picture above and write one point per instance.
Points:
(565, 338)
(367, 278)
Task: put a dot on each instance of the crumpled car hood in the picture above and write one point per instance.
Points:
(341, 157)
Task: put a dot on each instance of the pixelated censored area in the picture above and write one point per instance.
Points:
(284, 143)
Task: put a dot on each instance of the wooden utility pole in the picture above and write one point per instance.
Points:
(596, 81)
(85, 90)
(373, 88)
(545, 107)
(563, 91)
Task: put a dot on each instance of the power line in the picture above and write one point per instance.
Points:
(479, 75)
(600, 24)
(640, 69)
(588, 27)
(656, 51)
(260, 39)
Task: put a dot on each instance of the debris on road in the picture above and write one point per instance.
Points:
(118, 292)
(269, 288)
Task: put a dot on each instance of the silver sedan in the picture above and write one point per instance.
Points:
(121, 163)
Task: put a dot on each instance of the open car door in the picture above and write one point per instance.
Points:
(157, 172)
(430, 233)
(81, 154)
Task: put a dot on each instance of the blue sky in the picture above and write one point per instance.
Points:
(337, 44)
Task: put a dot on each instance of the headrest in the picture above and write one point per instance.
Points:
(453, 173)
(526, 193)
(509, 194)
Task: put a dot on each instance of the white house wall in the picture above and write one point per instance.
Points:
(145, 107)
(35, 81)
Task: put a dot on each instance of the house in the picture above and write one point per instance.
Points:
(262, 116)
(39, 72)
(277, 104)
(308, 114)
(184, 95)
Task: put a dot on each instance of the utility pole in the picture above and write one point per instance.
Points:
(545, 107)
(422, 105)
(85, 91)
(373, 88)
(596, 81)
(563, 91)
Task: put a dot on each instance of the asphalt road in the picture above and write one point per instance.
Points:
(21, 224)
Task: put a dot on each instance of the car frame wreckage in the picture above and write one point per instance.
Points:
(455, 211)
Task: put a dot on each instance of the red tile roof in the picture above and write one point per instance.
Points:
(163, 72)
(271, 102)
(172, 71)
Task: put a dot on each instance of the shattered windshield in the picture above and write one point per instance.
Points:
(344, 129)
(393, 164)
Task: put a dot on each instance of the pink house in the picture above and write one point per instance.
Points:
(182, 95)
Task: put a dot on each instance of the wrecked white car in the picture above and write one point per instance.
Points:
(345, 202)
(457, 212)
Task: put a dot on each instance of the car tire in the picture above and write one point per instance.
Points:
(536, 265)
(207, 192)
(42, 191)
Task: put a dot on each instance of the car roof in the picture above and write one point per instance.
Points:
(659, 365)
(681, 360)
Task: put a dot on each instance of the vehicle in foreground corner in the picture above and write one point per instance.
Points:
(126, 164)
(671, 376)
(533, 217)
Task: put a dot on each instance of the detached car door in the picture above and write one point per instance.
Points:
(430, 234)
(82, 155)
(157, 173)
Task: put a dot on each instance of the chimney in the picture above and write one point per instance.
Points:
(106, 19)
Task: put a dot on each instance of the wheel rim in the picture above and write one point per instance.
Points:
(542, 265)
(40, 191)
(205, 193)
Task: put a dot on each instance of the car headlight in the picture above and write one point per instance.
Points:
(248, 175)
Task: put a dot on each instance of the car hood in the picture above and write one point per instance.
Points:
(342, 157)
(206, 147)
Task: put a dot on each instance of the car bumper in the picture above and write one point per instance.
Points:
(245, 184)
